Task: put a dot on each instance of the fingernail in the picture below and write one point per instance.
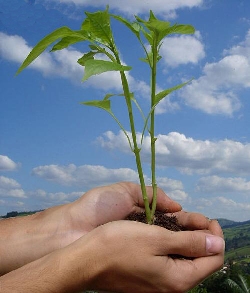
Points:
(214, 244)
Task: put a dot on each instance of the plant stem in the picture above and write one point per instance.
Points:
(152, 128)
(136, 149)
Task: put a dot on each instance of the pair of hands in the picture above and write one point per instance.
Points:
(87, 245)
(133, 257)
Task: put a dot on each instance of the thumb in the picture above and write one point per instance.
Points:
(194, 244)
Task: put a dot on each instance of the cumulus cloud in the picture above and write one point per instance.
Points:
(89, 176)
(216, 184)
(10, 188)
(64, 64)
(222, 207)
(187, 154)
(173, 188)
(182, 49)
(61, 63)
(6, 164)
(131, 7)
(85, 176)
(47, 199)
(215, 92)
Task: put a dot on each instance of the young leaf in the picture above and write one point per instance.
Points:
(66, 42)
(97, 25)
(161, 29)
(166, 92)
(47, 41)
(94, 66)
(135, 27)
(106, 105)
(181, 29)
(103, 104)
(88, 56)
(149, 58)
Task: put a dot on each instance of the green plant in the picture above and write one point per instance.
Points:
(242, 285)
(97, 32)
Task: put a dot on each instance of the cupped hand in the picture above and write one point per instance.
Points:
(115, 202)
(110, 203)
(125, 256)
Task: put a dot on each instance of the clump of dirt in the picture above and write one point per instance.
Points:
(160, 219)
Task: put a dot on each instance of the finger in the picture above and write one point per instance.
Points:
(215, 228)
(191, 244)
(192, 221)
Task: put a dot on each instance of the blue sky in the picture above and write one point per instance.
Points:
(52, 149)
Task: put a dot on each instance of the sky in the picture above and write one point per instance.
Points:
(53, 149)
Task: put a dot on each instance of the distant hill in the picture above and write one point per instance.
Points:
(237, 237)
(228, 223)
(18, 214)
(225, 222)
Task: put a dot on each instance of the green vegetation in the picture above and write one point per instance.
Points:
(241, 285)
(104, 56)
(238, 244)
(18, 214)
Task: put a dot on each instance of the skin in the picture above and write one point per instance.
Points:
(87, 245)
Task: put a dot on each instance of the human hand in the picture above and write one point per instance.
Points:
(105, 204)
(132, 257)
(32, 237)
(125, 257)
(110, 203)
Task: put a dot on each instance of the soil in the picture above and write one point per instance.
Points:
(160, 219)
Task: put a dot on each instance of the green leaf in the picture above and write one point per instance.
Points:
(106, 105)
(135, 27)
(66, 42)
(166, 92)
(88, 56)
(108, 96)
(97, 25)
(149, 58)
(161, 29)
(103, 104)
(158, 98)
(181, 29)
(93, 67)
(47, 41)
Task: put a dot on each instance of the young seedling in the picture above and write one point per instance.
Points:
(97, 32)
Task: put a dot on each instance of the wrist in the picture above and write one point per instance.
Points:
(34, 236)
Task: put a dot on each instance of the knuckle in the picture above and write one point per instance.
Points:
(194, 245)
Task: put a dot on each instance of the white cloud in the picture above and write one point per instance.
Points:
(187, 154)
(222, 207)
(8, 183)
(173, 188)
(10, 188)
(243, 48)
(182, 49)
(6, 164)
(47, 199)
(216, 184)
(14, 48)
(64, 64)
(85, 176)
(89, 176)
(131, 7)
(215, 92)
(178, 195)
(169, 184)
